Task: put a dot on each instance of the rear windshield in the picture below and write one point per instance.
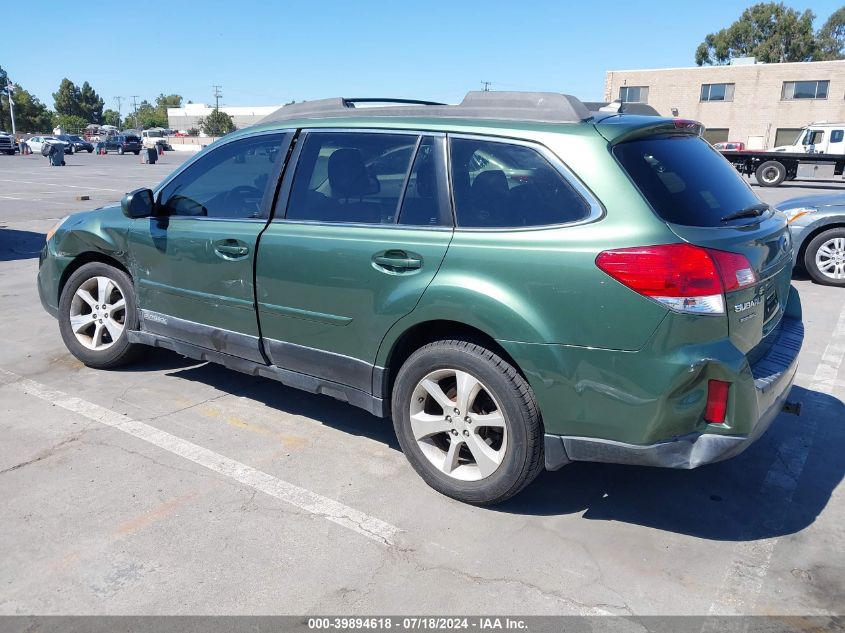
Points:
(132, 139)
(685, 180)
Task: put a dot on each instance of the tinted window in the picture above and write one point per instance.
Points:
(499, 185)
(350, 177)
(228, 182)
(836, 136)
(426, 202)
(685, 180)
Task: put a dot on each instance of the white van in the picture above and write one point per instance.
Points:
(818, 138)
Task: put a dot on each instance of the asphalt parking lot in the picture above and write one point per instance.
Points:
(181, 487)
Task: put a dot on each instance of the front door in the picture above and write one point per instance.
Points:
(193, 261)
(365, 228)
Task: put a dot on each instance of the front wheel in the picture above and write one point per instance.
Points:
(467, 422)
(96, 308)
(120, 151)
(824, 258)
(137, 152)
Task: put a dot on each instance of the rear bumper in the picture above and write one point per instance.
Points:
(773, 377)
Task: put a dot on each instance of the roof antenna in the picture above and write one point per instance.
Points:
(486, 86)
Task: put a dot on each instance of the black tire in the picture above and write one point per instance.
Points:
(90, 150)
(523, 455)
(121, 350)
(137, 152)
(812, 249)
(120, 151)
(770, 174)
(10, 152)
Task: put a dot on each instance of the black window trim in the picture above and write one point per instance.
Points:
(597, 210)
(279, 212)
(288, 136)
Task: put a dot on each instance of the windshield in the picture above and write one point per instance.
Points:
(685, 180)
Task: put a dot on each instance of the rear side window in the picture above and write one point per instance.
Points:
(836, 136)
(504, 185)
(685, 180)
(354, 177)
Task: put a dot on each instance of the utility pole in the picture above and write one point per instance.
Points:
(118, 101)
(486, 86)
(9, 88)
(217, 95)
(135, 108)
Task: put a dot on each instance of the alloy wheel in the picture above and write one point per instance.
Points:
(830, 258)
(458, 425)
(98, 313)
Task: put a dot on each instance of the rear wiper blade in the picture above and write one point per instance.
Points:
(748, 212)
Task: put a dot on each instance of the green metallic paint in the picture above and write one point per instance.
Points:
(326, 292)
(603, 361)
(178, 272)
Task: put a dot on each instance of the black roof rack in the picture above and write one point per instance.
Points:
(546, 107)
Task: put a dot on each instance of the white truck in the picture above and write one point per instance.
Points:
(155, 136)
(818, 153)
(7, 143)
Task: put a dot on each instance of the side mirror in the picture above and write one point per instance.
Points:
(138, 203)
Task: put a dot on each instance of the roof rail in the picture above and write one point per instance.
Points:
(549, 107)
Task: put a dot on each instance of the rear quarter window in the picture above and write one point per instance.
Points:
(684, 179)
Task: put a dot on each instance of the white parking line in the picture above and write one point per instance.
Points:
(343, 515)
(743, 581)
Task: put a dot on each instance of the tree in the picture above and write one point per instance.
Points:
(168, 101)
(831, 37)
(68, 99)
(69, 123)
(771, 32)
(111, 117)
(216, 124)
(91, 104)
(30, 114)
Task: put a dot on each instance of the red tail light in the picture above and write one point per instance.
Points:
(682, 277)
(717, 401)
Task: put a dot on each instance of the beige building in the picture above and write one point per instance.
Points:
(761, 105)
(188, 116)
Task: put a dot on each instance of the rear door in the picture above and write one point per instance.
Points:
(359, 232)
(705, 202)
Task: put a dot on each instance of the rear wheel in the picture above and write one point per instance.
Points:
(96, 308)
(770, 174)
(468, 422)
(137, 152)
(824, 258)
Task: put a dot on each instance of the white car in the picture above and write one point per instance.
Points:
(37, 142)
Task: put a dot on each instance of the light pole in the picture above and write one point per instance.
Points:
(9, 88)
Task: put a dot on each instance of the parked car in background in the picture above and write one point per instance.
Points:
(36, 143)
(79, 144)
(517, 281)
(817, 225)
(730, 146)
(7, 143)
(154, 137)
(121, 144)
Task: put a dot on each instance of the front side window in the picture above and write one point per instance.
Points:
(633, 94)
(228, 182)
(353, 177)
(814, 137)
(717, 92)
(804, 90)
(502, 185)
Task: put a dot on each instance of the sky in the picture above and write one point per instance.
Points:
(269, 52)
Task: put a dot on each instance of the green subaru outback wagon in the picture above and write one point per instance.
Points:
(517, 281)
